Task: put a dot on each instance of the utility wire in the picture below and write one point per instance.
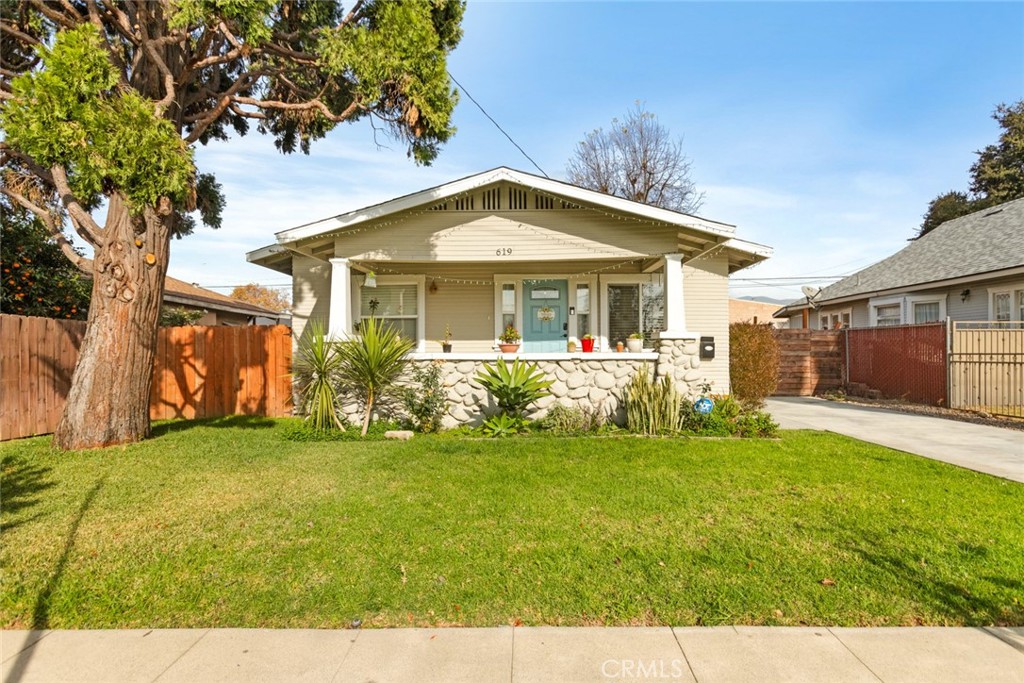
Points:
(496, 125)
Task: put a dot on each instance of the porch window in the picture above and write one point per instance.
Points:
(635, 307)
(583, 310)
(888, 315)
(927, 312)
(396, 305)
(508, 305)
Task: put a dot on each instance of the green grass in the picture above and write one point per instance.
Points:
(226, 523)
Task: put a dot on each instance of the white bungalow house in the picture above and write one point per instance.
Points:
(555, 261)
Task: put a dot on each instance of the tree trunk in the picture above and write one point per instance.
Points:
(109, 398)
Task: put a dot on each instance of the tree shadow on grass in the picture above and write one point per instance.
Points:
(229, 421)
(21, 482)
(41, 610)
(949, 599)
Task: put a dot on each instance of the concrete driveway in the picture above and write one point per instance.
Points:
(992, 450)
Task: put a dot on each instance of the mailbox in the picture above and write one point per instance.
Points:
(707, 348)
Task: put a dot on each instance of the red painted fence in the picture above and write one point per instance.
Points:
(907, 362)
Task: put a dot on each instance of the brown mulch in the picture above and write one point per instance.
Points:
(934, 411)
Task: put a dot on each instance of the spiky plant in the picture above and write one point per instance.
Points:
(514, 386)
(316, 378)
(652, 406)
(371, 363)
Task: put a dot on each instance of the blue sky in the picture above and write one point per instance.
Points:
(821, 129)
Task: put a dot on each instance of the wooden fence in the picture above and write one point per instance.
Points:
(810, 361)
(199, 372)
(986, 367)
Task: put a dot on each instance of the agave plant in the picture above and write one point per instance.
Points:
(514, 386)
(371, 363)
(316, 378)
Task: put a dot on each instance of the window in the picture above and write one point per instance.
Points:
(508, 305)
(1020, 304)
(635, 307)
(397, 305)
(1001, 305)
(887, 315)
(836, 320)
(927, 312)
(583, 310)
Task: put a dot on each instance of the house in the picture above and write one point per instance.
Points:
(218, 309)
(555, 261)
(969, 269)
(753, 311)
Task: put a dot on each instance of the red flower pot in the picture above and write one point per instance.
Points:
(588, 345)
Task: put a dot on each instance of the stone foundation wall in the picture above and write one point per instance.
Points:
(585, 381)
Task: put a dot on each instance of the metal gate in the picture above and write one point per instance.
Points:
(986, 367)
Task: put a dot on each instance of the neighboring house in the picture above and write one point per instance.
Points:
(219, 309)
(970, 268)
(747, 311)
(553, 260)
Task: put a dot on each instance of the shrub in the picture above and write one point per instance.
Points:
(652, 406)
(503, 424)
(753, 362)
(729, 417)
(514, 387)
(427, 403)
(371, 363)
(316, 379)
(574, 420)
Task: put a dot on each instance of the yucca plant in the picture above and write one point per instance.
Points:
(371, 363)
(652, 406)
(316, 378)
(514, 386)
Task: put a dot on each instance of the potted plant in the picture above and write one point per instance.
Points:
(446, 343)
(587, 341)
(635, 342)
(572, 344)
(509, 340)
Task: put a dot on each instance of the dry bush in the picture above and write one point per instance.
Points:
(753, 362)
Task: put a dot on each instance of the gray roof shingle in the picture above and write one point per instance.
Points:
(981, 242)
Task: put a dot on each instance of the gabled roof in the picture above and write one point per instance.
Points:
(180, 292)
(984, 242)
(503, 173)
(718, 232)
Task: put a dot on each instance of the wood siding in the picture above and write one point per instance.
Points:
(706, 297)
(478, 235)
(199, 372)
(311, 292)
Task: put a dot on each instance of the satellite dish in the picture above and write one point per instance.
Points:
(812, 294)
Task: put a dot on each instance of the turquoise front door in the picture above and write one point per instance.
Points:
(545, 315)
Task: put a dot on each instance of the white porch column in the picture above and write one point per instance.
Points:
(675, 308)
(339, 324)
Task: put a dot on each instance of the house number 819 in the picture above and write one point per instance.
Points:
(503, 251)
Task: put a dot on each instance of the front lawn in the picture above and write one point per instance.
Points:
(226, 523)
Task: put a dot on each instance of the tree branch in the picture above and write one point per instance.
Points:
(80, 218)
(302, 106)
(52, 227)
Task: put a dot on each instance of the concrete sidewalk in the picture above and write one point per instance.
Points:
(499, 655)
(992, 450)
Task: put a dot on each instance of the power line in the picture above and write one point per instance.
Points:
(491, 118)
